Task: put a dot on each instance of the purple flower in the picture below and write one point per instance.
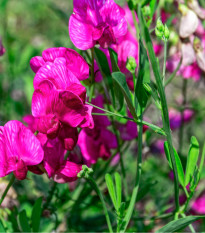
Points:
(19, 149)
(96, 22)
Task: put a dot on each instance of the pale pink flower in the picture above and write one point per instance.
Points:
(188, 54)
(194, 5)
(75, 64)
(96, 22)
(19, 149)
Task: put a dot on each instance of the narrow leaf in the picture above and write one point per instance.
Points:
(114, 60)
(2, 229)
(118, 184)
(180, 170)
(111, 189)
(192, 159)
(103, 65)
(179, 224)
(24, 222)
(120, 80)
(151, 89)
(36, 214)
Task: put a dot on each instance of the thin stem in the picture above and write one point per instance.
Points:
(181, 130)
(137, 180)
(171, 77)
(163, 216)
(92, 76)
(95, 187)
(7, 189)
(164, 64)
(152, 126)
(50, 196)
(136, 24)
(190, 225)
(165, 115)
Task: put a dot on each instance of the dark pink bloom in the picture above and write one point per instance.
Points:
(157, 147)
(31, 122)
(56, 109)
(199, 205)
(75, 63)
(19, 149)
(2, 49)
(97, 142)
(96, 22)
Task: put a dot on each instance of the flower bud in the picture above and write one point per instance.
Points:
(188, 54)
(146, 11)
(159, 25)
(166, 32)
(131, 64)
(2, 49)
(159, 34)
(174, 38)
(85, 172)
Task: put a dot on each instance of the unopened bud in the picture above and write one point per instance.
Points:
(146, 11)
(159, 25)
(166, 32)
(197, 45)
(85, 172)
(131, 64)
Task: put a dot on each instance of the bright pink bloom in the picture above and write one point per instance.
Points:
(19, 149)
(96, 22)
(2, 49)
(31, 122)
(56, 109)
(75, 63)
(98, 142)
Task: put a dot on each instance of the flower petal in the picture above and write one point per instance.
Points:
(36, 63)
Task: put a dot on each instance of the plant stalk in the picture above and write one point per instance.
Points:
(7, 189)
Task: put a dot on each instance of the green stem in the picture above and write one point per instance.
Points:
(50, 196)
(95, 187)
(163, 216)
(92, 76)
(135, 23)
(174, 73)
(165, 115)
(190, 225)
(164, 64)
(181, 130)
(137, 180)
(7, 189)
(153, 127)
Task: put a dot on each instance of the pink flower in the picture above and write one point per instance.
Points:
(97, 142)
(19, 149)
(31, 122)
(59, 112)
(192, 71)
(96, 22)
(62, 171)
(75, 63)
(157, 147)
(2, 49)
(199, 205)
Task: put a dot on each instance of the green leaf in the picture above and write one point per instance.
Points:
(120, 80)
(2, 229)
(24, 222)
(192, 159)
(111, 189)
(114, 60)
(179, 224)
(180, 170)
(118, 184)
(152, 90)
(36, 214)
(103, 65)
(143, 77)
(201, 163)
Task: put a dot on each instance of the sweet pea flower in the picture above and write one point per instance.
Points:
(19, 149)
(60, 112)
(96, 22)
(2, 49)
(199, 205)
(97, 142)
(194, 5)
(75, 63)
(189, 22)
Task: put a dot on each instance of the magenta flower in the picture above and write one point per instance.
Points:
(199, 205)
(62, 171)
(97, 142)
(96, 22)
(59, 112)
(75, 63)
(2, 49)
(19, 149)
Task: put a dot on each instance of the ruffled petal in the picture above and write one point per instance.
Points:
(36, 63)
